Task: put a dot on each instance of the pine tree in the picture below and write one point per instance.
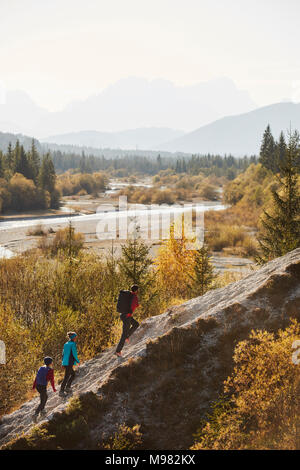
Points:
(135, 261)
(203, 274)
(34, 162)
(47, 174)
(1, 165)
(281, 229)
(16, 161)
(9, 157)
(24, 167)
(280, 152)
(268, 150)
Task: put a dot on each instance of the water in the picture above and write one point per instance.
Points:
(106, 217)
(106, 214)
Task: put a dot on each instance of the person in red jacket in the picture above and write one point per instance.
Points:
(44, 375)
(129, 323)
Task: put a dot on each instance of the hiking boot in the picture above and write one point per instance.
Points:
(43, 413)
(69, 391)
(61, 394)
(35, 417)
(119, 354)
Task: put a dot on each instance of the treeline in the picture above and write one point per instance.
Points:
(27, 180)
(121, 166)
(273, 153)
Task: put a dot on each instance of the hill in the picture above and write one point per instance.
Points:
(238, 135)
(142, 138)
(6, 137)
(172, 370)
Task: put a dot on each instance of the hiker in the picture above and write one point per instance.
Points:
(127, 303)
(44, 375)
(69, 359)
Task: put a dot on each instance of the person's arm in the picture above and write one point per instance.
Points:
(74, 352)
(50, 378)
(34, 384)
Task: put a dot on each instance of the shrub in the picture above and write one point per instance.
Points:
(126, 438)
(260, 409)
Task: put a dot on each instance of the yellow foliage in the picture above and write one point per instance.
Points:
(262, 408)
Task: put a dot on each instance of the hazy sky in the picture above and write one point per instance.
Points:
(61, 50)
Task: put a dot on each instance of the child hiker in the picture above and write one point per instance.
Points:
(69, 359)
(44, 375)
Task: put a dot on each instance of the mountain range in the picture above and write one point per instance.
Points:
(237, 135)
(141, 138)
(128, 104)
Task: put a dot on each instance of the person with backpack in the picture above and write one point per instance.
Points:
(69, 359)
(44, 375)
(127, 303)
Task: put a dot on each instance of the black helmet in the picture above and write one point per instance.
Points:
(48, 360)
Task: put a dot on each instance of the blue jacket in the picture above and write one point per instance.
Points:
(70, 357)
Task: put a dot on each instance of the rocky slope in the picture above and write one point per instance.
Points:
(175, 365)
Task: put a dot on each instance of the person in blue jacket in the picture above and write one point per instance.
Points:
(69, 359)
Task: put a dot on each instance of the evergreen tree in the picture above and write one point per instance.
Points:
(9, 157)
(24, 167)
(47, 174)
(135, 261)
(159, 162)
(1, 165)
(82, 164)
(16, 163)
(267, 156)
(34, 162)
(281, 229)
(203, 272)
(280, 152)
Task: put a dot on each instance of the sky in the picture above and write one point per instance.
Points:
(64, 50)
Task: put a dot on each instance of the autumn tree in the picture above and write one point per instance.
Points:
(175, 265)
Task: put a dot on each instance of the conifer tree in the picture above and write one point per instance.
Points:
(1, 165)
(203, 274)
(47, 174)
(268, 150)
(9, 157)
(280, 152)
(135, 260)
(34, 162)
(281, 229)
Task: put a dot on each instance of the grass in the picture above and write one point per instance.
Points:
(36, 231)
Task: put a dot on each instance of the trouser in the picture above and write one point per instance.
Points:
(129, 327)
(68, 378)
(42, 389)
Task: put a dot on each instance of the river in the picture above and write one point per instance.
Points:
(15, 229)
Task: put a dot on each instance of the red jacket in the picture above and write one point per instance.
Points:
(134, 304)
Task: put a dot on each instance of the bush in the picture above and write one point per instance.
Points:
(260, 409)
(126, 438)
